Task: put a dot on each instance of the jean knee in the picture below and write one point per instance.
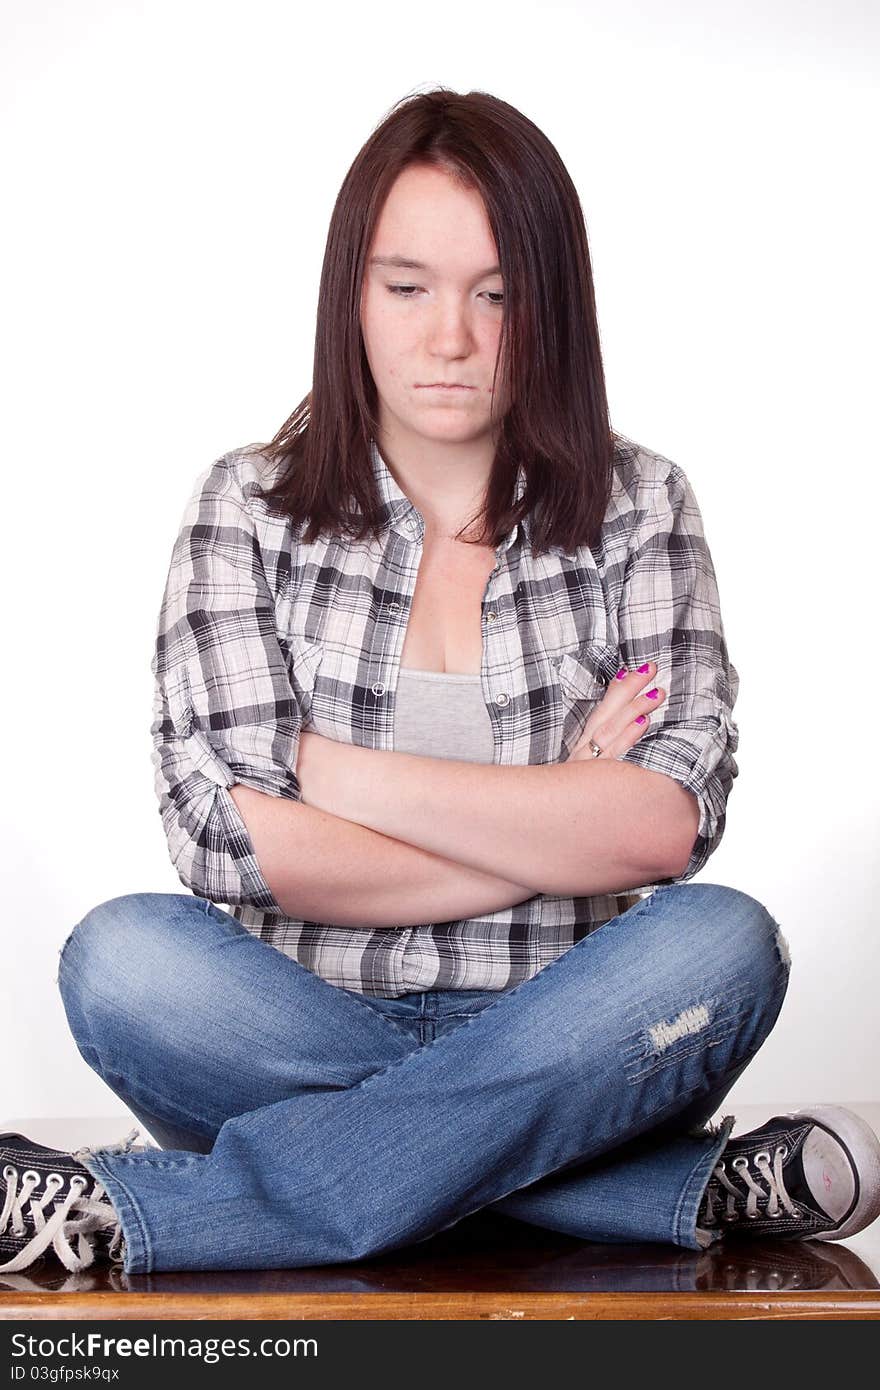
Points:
(756, 938)
(116, 930)
(758, 926)
(737, 933)
(720, 979)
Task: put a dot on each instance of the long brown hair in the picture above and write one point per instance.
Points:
(549, 355)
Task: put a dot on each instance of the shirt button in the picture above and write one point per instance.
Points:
(393, 607)
(556, 661)
(378, 688)
(491, 617)
(502, 699)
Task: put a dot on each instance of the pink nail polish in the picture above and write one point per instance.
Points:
(621, 673)
(652, 694)
(640, 718)
(646, 667)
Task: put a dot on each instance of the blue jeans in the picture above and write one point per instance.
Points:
(305, 1124)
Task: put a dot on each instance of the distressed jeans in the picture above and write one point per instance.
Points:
(306, 1124)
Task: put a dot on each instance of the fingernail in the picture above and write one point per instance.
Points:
(646, 667)
(621, 673)
(652, 694)
(640, 718)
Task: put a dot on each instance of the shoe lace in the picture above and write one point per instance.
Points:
(81, 1215)
(741, 1202)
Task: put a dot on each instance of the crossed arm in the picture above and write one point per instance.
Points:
(387, 838)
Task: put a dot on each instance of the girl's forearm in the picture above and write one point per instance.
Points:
(579, 828)
(322, 868)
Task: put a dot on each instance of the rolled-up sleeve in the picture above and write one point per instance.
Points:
(670, 613)
(224, 709)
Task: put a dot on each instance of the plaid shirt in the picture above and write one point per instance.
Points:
(261, 635)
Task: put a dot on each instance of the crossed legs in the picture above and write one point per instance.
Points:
(301, 1126)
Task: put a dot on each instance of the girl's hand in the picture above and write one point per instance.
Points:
(613, 723)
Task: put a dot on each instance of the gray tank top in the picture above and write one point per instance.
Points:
(442, 714)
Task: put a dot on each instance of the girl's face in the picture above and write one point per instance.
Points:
(438, 318)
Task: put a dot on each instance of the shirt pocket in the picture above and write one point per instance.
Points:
(582, 676)
(337, 691)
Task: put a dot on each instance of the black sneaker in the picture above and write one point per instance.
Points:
(48, 1198)
(810, 1175)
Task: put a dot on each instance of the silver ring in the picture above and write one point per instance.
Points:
(595, 747)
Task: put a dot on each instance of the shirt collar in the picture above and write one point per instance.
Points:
(400, 513)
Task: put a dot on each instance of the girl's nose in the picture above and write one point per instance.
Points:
(450, 329)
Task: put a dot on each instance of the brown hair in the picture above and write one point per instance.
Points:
(549, 354)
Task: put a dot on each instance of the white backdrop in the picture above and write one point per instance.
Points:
(169, 173)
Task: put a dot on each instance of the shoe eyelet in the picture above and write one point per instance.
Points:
(782, 1151)
(55, 1179)
(741, 1162)
(763, 1154)
(79, 1181)
(10, 1172)
(30, 1173)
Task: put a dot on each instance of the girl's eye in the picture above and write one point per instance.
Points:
(495, 297)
